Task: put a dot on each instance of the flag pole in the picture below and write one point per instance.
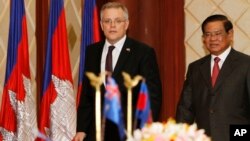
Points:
(130, 83)
(98, 114)
(96, 82)
(129, 113)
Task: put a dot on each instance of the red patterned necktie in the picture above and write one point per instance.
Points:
(216, 70)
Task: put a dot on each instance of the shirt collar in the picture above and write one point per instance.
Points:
(118, 45)
(224, 55)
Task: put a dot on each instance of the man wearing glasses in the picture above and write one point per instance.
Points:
(116, 54)
(216, 92)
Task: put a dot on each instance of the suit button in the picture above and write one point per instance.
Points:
(211, 111)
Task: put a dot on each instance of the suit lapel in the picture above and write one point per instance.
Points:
(205, 71)
(226, 69)
(125, 53)
(98, 55)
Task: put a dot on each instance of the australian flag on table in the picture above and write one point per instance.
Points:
(112, 106)
(58, 104)
(143, 111)
(90, 34)
(18, 110)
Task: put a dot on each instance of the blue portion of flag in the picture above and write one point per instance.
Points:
(143, 110)
(87, 33)
(56, 8)
(112, 106)
(58, 68)
(15, 31)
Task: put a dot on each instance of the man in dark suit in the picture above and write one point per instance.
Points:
(130, 56)
(214, 103)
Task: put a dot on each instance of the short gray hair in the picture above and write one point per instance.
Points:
(117, 5)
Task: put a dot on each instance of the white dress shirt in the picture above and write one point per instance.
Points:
(222, 57)
(115, 53)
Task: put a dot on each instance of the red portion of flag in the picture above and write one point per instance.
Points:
(96, 25)
(90, 34)
(142, 101)
(15, 83)
(17, 118)
(48, 98)
(143, 109)
(60, 51)
(58, 105)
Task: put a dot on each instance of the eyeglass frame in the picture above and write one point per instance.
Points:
(117, 21)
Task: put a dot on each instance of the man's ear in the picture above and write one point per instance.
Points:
(231, 34)
(101, 25)
(203, 39)
(127, 24)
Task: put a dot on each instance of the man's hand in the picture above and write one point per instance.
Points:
(79, 136)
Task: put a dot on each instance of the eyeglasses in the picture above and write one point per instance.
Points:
(216, 34)
(116, 21)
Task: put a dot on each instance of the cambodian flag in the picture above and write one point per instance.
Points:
(143, 111)
(18, 110)
(90, 34)
(58, 105)
(112, 106)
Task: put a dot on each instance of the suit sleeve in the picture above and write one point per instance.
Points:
(184, 111)
(248, 84)
(150, 71)
(85, 114)
(85, 109)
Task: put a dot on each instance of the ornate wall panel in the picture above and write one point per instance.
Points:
(4, 31)
(73, 11)
(73, 20)
(197, 10)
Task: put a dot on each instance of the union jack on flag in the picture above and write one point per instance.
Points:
(112, 106)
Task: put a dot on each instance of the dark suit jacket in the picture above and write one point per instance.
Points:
(214, 109)
(136, 59)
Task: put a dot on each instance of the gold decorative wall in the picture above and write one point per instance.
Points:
(73, 19)
(197, 10)
(4, 32)
(73, 11)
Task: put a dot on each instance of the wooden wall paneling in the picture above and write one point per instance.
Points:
(41, 39)
(172, 54)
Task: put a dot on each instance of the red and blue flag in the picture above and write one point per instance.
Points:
(90, 34)
(58, 104)
(18, 109)
(143, 111)
(112, 106)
